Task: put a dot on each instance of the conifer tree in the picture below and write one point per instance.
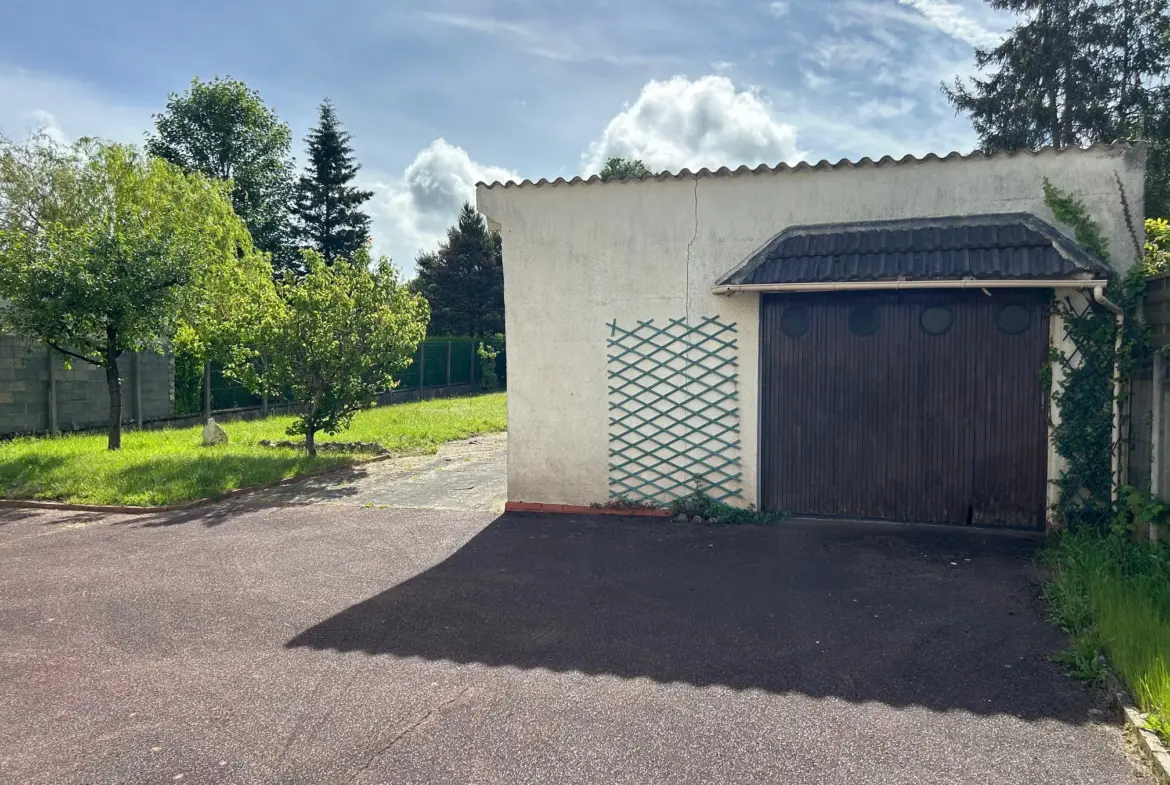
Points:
(464, 280)
(328, 207)
(1076, 72)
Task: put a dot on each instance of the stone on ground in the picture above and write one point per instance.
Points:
(213, 433)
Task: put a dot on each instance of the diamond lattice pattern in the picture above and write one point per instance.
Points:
(674, 410)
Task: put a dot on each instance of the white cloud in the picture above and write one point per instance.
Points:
(954, 20)
(416, 209)
(885, 110)
(550, 44)
(681, 123)
(47, 124)
(65, 108)
(778, 8)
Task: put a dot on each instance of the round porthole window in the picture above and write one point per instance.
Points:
(794, 321)
(936, 320)
(1013, 319)
(863, 320)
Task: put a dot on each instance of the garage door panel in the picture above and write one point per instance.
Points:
(868, 410)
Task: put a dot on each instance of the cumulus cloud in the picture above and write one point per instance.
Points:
(45, 123)
(778, 8)
(681, 123)
(417, 208)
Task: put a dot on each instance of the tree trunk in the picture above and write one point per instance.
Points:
(115, 387)
(311, 441)
(1067, 136)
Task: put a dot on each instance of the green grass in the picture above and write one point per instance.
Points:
(1113, 595)
(172, 466)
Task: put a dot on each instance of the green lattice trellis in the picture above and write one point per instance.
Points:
(673, 399)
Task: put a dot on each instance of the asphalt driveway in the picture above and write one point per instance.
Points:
(342, 644)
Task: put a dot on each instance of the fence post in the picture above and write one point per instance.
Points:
(206, 390)
(449, 363)
(1158, 413)
(52, 393)
(136, 363)
(471, 376)
(422, 368)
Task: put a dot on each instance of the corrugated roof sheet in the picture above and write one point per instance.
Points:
(844, 163)
(991, 247)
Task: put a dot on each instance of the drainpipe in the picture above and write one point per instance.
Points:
(1115, 481)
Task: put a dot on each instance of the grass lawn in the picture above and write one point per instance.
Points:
(1112, 595)
(172, 466)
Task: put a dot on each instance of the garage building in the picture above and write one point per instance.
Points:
(853, 339)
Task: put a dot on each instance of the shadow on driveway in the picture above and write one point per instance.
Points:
(944, 618)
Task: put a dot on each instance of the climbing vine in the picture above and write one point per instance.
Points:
(1084, 391)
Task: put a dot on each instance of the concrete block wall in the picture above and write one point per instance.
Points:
(81, 394)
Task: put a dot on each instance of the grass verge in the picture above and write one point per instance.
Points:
(171, 466)
(1112, 596)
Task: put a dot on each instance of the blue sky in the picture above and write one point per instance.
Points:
(441, 94)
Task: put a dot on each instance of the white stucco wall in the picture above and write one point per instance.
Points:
(579, 256)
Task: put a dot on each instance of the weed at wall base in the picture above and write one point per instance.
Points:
(1112, 596)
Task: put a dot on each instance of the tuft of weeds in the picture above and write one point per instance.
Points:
(1082, 659)
(622, 503)
(701, 505)
(1112, 596)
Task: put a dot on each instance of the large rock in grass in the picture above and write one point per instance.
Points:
(213, 433)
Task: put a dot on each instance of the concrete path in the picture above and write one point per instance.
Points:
(464, 475)
(330, 643)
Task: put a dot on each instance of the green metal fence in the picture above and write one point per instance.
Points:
(444, 363)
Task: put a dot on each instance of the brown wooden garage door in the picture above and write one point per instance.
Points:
(910, 406)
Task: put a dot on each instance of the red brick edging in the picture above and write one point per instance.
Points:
(580, 509)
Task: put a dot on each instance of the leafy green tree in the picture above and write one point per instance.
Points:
(464, 280)
(1156, 259)
(329, 218)
(623, 169)
(104, 250)
(223, 129)
(337, 335)
(1075, 72)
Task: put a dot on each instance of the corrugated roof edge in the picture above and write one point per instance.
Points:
(844, 163)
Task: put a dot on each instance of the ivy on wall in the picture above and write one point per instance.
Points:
(1084, 393)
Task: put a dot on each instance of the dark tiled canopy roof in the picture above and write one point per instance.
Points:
(989, 247)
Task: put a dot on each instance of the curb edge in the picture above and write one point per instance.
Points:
(1151, 746)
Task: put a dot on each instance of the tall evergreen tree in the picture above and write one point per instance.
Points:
(464, 280)
(1075, 72)
(223, 130)
(328, 207)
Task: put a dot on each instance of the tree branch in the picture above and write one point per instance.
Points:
(82, 357)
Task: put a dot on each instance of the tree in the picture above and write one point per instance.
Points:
(222, 129)
(464, 280)
(327, 206)
(1156, 259)
(623, 168)
(103, 250)
(334, 339)
(1075, 72)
